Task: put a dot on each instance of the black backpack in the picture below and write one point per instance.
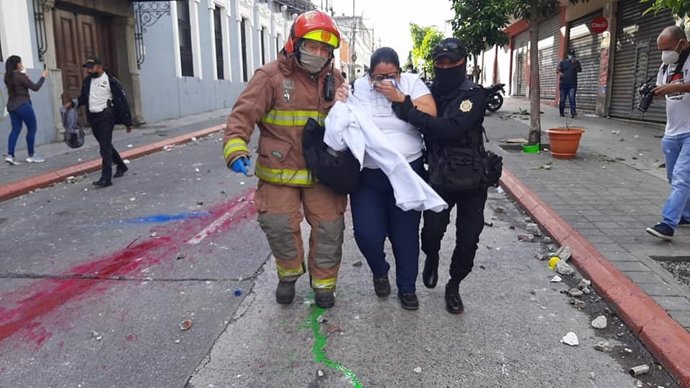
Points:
(338, 170)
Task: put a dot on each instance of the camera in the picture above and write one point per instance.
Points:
(647, 93)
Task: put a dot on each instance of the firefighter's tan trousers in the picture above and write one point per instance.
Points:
(281, 210)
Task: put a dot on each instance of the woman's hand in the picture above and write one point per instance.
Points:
(388, 89)
(45, 74)
(342, 93)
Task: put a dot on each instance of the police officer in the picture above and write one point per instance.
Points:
(453, 141)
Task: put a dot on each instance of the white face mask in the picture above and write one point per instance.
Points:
(669, 57)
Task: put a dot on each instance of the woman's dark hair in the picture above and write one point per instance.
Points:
(384, 55)
(10, 67)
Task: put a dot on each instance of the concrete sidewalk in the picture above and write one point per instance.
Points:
(62, 161)
(602, 201)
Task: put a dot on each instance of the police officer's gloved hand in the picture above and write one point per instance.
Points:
(402, 109)
(241, 165)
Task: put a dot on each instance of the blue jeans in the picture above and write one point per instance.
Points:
(569, 92)
(677, 154)
(24, 114)
(375, 217)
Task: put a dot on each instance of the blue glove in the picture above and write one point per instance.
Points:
(241, 165)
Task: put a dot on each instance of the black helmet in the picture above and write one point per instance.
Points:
(452, 48)
(74, 138)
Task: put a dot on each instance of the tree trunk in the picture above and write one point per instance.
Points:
(534, 92)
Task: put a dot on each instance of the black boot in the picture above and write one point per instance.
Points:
(382, 287)
(325, 298)
(430, 272)
(103, 183)
(408, 301)
(285, 292)
(453, 300)
(121, 170)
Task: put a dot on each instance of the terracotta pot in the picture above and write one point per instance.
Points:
(564, 142)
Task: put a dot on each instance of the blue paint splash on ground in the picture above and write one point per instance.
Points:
(163, 218)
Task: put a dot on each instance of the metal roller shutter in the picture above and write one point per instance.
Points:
(520, 45)
(587, 46)
(636, 60)
(549, 43)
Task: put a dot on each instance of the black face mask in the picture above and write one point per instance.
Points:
(94, 75)
(449, 78)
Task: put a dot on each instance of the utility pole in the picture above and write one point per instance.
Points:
(352, 43)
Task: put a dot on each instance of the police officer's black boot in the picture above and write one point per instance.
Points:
(430, 272)
(285, 292)
(453, 300)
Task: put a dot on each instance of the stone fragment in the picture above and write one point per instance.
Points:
(570, 339)
(564, 268)
(564, 253)
(586, 290)
(547, 240)
(584, 283)
(525, 237)
(499, 210)
(575, 292)
(417, 370)
(580, 304)
(556, 279)
(357, 263)
(603, 346)
(600, 322)
(533, 228)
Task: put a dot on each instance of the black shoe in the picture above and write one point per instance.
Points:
(684, 222)
(430, 272)
(409, 301)
(662, 231)
(453, 300)
(285, 292)
(573, 115)
(102, 183)
(325, 298)
(562, 114)
(120, 172)
(382, 287)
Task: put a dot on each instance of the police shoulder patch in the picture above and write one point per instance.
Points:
(465, 106)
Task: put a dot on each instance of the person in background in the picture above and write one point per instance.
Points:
(106, 105)
(456, 132)
(375, 215)
(20, 108)
(567, 72)
(673, 83)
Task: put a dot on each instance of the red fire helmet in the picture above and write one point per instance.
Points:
(314, 25)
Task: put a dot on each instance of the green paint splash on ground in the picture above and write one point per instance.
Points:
(320, 341)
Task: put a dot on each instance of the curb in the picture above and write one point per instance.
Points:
(665, 338)
(17, 188)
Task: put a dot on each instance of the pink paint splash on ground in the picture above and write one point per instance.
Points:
(47, 295)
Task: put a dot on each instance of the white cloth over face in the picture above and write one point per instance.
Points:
(347, 126)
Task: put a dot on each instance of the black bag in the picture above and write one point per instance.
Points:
(337, 170)
(461, 168)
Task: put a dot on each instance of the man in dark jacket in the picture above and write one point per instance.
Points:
(567, 73)
(106, 105)
(453, 141)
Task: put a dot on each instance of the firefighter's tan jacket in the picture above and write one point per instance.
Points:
(278, 99)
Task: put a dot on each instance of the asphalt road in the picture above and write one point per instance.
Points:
(95, 285)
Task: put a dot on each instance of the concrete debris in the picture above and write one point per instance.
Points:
(546, 166)
(570, 339)
(319, 373)
(627, 350)
(168, 147)
(599, 322)
(525, 237)
(96, 335)
(533, 228)
(584, 283)
(603, 346)
(575, 292)
(528, 220)
(592, 375)
(564, 268)
(639, 384)
(186, 325)
(417, 370)
(357, 263)
(556, 279)
(564, 253)
(125, 161)
(615, 132)
(132, 199)
(586, 290)
(177, 341)
(639, 370)
(194, 139)
(547, 240)
(551, 248)
(541, 256)
(499, 210)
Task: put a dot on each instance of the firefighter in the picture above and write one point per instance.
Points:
(301, 84)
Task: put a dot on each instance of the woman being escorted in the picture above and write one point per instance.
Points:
(374, 212)
(20, 108)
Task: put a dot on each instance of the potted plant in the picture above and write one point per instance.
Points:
(564, 141)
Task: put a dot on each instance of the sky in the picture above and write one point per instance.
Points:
(390, 19)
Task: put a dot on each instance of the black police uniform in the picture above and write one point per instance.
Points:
(457, 129)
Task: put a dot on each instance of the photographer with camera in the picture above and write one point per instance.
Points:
(674, 84)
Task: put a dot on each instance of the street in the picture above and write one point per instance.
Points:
(100, 287)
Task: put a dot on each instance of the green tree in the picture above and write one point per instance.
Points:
(680, 8)
(423, 41)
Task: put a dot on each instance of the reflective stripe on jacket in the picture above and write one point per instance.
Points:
(278, 99)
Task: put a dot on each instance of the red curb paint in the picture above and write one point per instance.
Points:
(17, 188)
(665, 338)
(47, 295)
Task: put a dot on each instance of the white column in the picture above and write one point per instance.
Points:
(15, 31)
(196, 39)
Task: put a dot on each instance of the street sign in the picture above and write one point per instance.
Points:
(599, 24)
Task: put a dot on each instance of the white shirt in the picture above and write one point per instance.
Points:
(348, 126)
(677, 105)
(400, 135)
(99, 94)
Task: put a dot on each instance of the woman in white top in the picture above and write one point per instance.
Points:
(374, 213)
